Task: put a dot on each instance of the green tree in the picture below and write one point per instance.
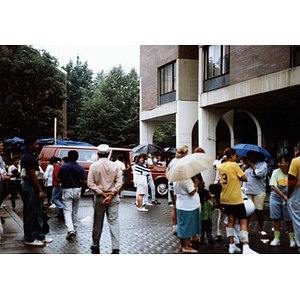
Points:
(32, 92)
(111, 115)
(165, 135)
(79, 88)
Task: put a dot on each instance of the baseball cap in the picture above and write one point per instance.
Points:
(103, 148)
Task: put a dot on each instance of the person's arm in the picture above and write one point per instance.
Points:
(35, 183)
(118, 184)
(196, 183)
(244, 178)
(292, 181)
(92, 184)
(280, 193)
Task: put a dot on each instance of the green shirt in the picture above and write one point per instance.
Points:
(206, 210)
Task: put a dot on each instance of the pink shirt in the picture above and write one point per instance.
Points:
(104, 176)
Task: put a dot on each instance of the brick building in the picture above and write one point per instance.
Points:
(219, 95)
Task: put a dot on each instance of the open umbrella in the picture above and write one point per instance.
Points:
(170, 150)
(243, 149)
(147, 148)
(189, 166)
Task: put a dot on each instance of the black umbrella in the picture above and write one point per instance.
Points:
(147, 148)
(170, 150)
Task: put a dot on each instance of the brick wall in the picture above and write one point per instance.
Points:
(248, 62)
(153, 57)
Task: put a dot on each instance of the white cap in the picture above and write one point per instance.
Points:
(103, 149)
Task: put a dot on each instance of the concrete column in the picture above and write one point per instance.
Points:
(186, 117)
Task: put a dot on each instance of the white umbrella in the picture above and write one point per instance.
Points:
(189, 166)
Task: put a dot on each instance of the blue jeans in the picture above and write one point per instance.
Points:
(56, 196)
(33, 220)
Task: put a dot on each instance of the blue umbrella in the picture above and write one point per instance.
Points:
(243, 149)
(14, 140)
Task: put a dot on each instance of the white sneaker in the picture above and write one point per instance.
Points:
(234, 249)
(35, 243)
(248, 250)
(47, 240)
(275, 242)
(142, 209)
(262, 233)
(292, 244)
(52, 206)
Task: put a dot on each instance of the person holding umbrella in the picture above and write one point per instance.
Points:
(180, 152)
(256, 171)
(232, 201)
(188, 210)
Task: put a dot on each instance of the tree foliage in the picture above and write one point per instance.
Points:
(79, 88)
(32, 92)
(111, 115)
(165, 135)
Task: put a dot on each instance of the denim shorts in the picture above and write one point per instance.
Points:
(277, 209)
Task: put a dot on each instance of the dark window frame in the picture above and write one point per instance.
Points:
(295, 56)
(212, 82)
(167, 91)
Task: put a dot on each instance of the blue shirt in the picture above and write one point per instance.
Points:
(29, 162)
(256, 183)
(71, 175)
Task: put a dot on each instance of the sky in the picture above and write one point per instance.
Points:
(99, 57)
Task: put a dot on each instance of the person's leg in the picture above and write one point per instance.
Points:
(13, 191)
(28, 212)
(76, 199)
(209, 232)
(1, 192)
(56, 197)
(220, 224)
(113, 222)
(259, 211)
(276, 240)
(152, 187)
(68, 208)
(99, 211)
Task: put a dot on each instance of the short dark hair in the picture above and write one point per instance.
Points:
(286, 157)
(73, 155)
(29, 141)
(65, 159)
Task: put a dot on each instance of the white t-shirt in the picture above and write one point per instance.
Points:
(120, 164)
(216, 164)
(10, 171)
(184, 200)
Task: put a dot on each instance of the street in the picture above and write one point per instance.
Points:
(141, 232)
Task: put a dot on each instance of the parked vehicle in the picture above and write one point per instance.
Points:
(88, 155)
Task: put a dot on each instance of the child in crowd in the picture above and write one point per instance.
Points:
(207, 207)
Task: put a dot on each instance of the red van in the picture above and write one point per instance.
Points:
(88, 155)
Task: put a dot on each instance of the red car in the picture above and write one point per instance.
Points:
(88, 155)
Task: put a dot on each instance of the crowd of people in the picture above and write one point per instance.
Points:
(238, 191)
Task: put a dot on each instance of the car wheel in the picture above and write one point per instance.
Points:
(161, 188)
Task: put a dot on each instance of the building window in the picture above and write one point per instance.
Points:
(168, 78)
(167, 75)
(216, 61)
(216, 67)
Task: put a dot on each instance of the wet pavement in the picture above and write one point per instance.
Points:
(141, 232)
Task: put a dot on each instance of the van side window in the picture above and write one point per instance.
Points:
(84, 155)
